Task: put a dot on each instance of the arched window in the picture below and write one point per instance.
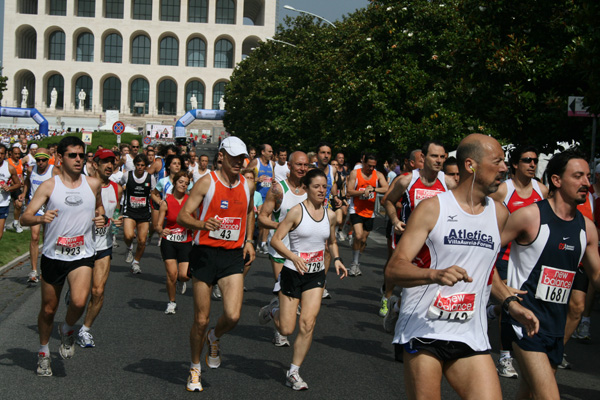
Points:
(142, 9)
(26, 41)
(140, 50)
(169, 51)
(86, 8)
(167, 97)
(196, 53)
(113, 9)
(111, 94)
(197, 11)
(85, 82)
(170, 10)
(57, 82)
(56, 46)
(85, 47)
(113, 48)
(225, 12)
(194, 88)
(218, 92)
(58, 7)
(224, 54)
(140, 93)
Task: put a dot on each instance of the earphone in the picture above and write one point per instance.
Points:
(472, 169)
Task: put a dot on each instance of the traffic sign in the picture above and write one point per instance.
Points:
(118, 128)
(147, 140)
(86, 137)
(576, 108)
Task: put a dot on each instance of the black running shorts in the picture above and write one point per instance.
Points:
(293, 284)
(209, 264)
(55, 272)
(367, 223)
(444, 350)
(179, 251)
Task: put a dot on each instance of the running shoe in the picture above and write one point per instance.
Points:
(350, 239)
(67, 344)
(216, 293)
(299, 309)
(115, 243)
(384, 307)
(17, 226)
(85, 339)
(265, 314)
(564, 364)
(294, 381)
(129, 257)
(193, 382)
(213, 357)
(326, 294)
(354, 269)
(43, 365)
(181, 287)
(583, 331)
(279, 340)
(135, 268)
(390, 319)
(33, 277)
(505, 368)
(171, 307)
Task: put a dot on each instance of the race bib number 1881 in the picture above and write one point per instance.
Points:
(554, 285)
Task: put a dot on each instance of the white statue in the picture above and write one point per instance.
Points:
(81, 96)
(222, 103)
(24, 95)
(194, 102)
(53, 97)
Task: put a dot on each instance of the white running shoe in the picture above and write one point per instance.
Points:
(216, 292)
(33, 277)
(171, 307)
(129, 257)
(279, 340)
(193, 383)
(43, 365)
(213, 357)
(505, 368)
(326, 294)
(17, 226)
(294, 381)
(354, 269)
(115, 243)
(180, 287)
(85, 339)
(390, 319)
(135, 268)
(67, 344)
(265, 313)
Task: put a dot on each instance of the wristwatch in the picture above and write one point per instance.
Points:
(105, 220)
(507, 302)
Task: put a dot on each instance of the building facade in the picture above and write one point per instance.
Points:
(146, 58)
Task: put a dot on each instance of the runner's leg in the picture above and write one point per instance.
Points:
(201, 318)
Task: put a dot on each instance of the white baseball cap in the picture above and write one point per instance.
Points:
(233, 146)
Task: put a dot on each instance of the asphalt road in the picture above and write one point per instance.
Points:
(143, 353)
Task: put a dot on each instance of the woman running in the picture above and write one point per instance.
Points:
(177, 241)
(309, 225)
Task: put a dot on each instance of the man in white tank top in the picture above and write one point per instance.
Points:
(442, 324)
(68, 252)
(104, 163)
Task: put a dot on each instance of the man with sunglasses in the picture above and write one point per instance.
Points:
(68, 251)
(41, 172)
(8, 173)
(519, 191)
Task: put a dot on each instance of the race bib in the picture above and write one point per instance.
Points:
(424, 194)
(177, 235)
(229, 230)
(554, 285)
(370, 196)
(102, 231)
(70, 246)
(456, 307)
(315, 261)
(267, 182)
(137, 202)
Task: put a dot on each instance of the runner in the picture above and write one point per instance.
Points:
(462, 229)
(16, 162)
(451, 169)
(40, 173)
(8, 174)
(104, 162)
(177, 241)
(549, 239)
(264, 171)
(68, 252)
(202, 168)
(308, 226)
(281, 168)
(136, 210)
(362, 186)
(283, 195)
(222, 245)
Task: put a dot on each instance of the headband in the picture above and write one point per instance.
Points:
(42, 155)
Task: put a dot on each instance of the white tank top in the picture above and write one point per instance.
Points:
(289, 200)
(36, 179)
(69, 236)
(308, 241)
(4, 177)
(110, 202)
(454, 313)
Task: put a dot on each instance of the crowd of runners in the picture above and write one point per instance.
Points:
(471, 238)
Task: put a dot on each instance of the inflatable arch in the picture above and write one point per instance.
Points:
(27, 112)
(193, 115)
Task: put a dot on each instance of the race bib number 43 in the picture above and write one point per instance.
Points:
(315, 261)
(554, 285)
(70, 246)
(458, 306)
(229, 230)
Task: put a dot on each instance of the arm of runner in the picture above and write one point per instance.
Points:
(162, 213)
(119, 221)
(100, 219)
(155, 196)
(14, 178)
(291, 221)
(333, 247)
(185, 217)
(350, 184)
(401, 271)
(591, 258)
(40, 197)
(393, 196)
(522, 225)
(499, 194)
(272, 202)
(383, 184)
(249, 243)
(26, 187)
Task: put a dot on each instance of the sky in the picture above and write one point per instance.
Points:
(329, 9)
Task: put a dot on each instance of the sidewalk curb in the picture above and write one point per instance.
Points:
(17, 260)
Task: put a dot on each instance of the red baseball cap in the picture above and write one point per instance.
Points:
(104, 153)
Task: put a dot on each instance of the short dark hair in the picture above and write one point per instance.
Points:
(68, 141)
(3, 146)
(558, 164)
(370, 156)
(425, 147)
(450, 161)
(321, 144)
(281, 150)
(516, 154)
(311, 175)
(140, 158)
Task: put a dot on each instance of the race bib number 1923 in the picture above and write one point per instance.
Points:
(554, 285)
(229, 230)
(457, 307)
(70, 246)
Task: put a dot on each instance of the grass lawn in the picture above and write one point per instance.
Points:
(13, 244)
(105, 138)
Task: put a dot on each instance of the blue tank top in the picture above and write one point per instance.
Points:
(265, 170)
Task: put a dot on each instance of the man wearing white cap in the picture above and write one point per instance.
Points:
(222, 246)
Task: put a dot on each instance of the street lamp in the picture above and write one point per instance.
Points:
(309, 13)
(280, 41)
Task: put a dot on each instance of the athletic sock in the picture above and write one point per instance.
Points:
(44, 349)
(66, 329)
(504, 354)
(273, 311)
(294, 368)
(192, 365)
(355, 256)
(586, 319)
(211, 336)
(84, 329)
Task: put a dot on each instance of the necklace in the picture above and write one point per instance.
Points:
(296, 189)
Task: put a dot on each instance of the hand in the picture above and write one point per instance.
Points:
(450, 276)
(49, 216)
(299, 264)
(249, 251)
(98, 220)
(118, 222)
(165, 232)
(21, 198)
(399, 227)
(212, 224)
(525, 317)
(337, 201)
(517, 292)
(339, 266)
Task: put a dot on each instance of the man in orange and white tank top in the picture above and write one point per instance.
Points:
(222, 246)
(362, 188)
(15, 161)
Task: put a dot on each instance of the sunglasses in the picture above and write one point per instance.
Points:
(41, 159)
(528, 160)
(74, 155)
(135, 147)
